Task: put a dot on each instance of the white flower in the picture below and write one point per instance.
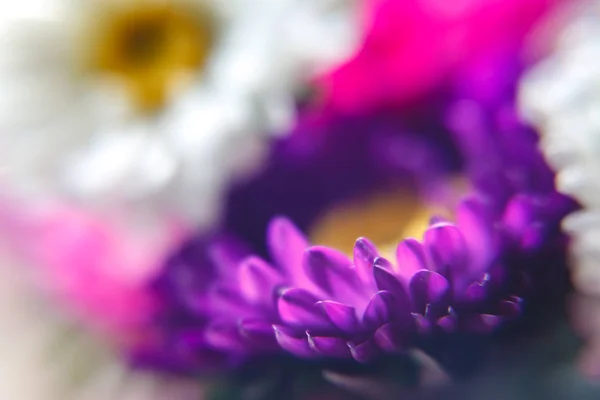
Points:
(562, 97)
(154, 104)
(45, 356)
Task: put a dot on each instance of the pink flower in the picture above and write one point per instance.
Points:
(96, 265)
(410, 46)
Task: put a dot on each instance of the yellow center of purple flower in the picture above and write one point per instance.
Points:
(384, 219)
(149, 47)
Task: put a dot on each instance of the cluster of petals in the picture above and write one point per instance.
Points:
(316, 302)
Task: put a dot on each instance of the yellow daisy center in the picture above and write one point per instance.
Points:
(149, 46)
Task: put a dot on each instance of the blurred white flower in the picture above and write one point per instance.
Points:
(45, 357)
(155, 104)
(562, 97)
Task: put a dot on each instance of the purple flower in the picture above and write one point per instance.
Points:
(494, 255)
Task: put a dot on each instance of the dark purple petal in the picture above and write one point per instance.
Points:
(387, 281)
(289, 341)
(411, 258)
(391, 339)
(340, 315)
(448, 323)
(257, 332)
(446, 246)
(475, 293)
(379, 310)
(428, 287)
(510, 308)
(258, 279)
(287, 245)
(225, 337)
(483, 323)
(364, 254)
(297, 308)
(363, 352)
(329, 346)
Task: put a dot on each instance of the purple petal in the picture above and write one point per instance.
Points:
(332, 271)
(379, 309)
(340, 315)
(448, 323)
(364, 254)
(410, 255)
(510, 309)
(258, 332)
(428, 287)
(385, 280)
(483, 323)
(477, 229)
(391, 339)
(447, 248)
(286, 246)
(224, 337)
(329, 346)
(297, 308)
(475, 293)
(362, 352)
(258, 279)
(289, 341)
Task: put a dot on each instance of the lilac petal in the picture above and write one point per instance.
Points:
(477, 229)
(258, 332)
(362, 352)
(257, 279)
(392, 338)
(297, 308)
(411, 258)
(332, 271)
(296, 345)
(224, 337)
(328, 346)
(379, 310)
(447, 248)
(286, 246)
(428, 287)
(340, 315)
(364, 254)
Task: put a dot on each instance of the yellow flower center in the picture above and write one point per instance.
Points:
(385, 219)
(149, 46)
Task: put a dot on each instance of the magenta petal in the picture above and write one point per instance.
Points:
(410, 256)
(364, 255)
(297, 308)
(447, 248)
(289, 341)
(379, 309)
(329, 346)
(331, 270)
(363, 352)
(340, 315)
(286, 246)
(257, 332)
(257, 279)
(428, 287)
